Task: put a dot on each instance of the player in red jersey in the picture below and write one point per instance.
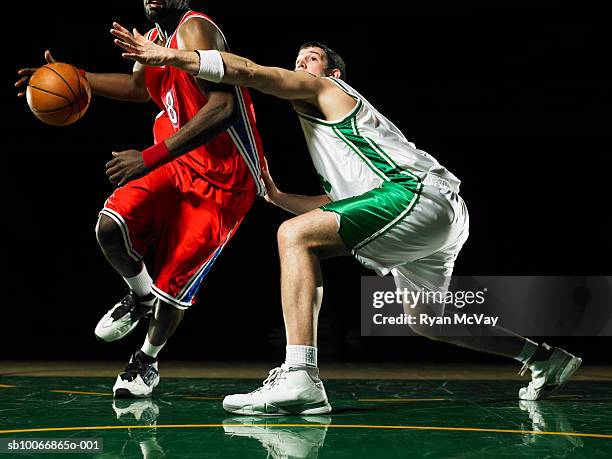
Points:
(187, 194)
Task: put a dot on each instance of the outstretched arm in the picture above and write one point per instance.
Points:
(118, 86)
(238, 70)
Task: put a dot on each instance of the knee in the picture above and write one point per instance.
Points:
(108, 232)
(169, 311)
(290, 236)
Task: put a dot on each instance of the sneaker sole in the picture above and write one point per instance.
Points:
(123, 335)
(270, 409)
(125, 393)
(122, 392)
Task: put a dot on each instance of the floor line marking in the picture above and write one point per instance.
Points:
(6, 386)
(401, 399)
(79, 392)
(331, 426)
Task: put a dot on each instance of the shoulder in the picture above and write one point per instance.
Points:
(199, 25)
(331, 86)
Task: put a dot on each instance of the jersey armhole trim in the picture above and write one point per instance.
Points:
(347, 117)
(340, 85)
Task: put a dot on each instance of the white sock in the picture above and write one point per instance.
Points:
(528, 350)
(140, 283)
(150, 349)
(301, 356)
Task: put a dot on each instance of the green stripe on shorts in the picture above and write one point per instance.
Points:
(365, 217)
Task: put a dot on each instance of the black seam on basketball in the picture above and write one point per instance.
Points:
(82, 113)
(69, 115)
(83, 96)
(58, 74)
(52, 93)
(79, 81)
(52, 111)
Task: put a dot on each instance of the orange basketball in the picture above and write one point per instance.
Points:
(57, 94)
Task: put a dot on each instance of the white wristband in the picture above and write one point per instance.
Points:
(211, 65)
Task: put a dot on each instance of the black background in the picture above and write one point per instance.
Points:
(514, 100)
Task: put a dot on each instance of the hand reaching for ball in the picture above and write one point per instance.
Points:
(57, 93)
(27, 73)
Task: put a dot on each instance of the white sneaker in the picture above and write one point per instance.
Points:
(285, 391)
(300, 442)
(122, 318)
(136, 415)
(137, 380)
(144, 411)
(550, 375)
(548, 417)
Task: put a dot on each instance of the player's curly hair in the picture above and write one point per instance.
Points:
(334, 61)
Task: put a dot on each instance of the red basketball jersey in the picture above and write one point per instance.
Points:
(233, 159)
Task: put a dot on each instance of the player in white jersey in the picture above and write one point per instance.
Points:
(392, 206)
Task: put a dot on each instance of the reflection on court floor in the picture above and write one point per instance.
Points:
(371, 418)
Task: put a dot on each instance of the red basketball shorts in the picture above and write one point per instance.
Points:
(189, 229)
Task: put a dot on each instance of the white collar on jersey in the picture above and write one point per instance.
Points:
(161, 33)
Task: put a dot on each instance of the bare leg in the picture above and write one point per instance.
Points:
(508, 345)
(505, 342)
(111, 242)
(163, 323)
(302, 242)
(305, 240)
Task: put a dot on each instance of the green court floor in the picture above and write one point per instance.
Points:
(371, 419)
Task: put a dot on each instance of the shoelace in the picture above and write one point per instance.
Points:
(133, 369)
(273, 376)
(137, 367)
(127, 304)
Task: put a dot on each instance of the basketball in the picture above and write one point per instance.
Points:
(57, 94)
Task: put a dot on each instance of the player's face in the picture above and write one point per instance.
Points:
(158, 9)
(311, 60)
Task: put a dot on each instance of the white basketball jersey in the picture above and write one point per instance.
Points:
(356, 154)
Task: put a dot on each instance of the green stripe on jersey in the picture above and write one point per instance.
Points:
(365, 217)
(374, 156)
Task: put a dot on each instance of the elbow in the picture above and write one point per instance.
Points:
(140, 94)
(222, 107)
(142, 98)
(230, 107)
(234, 114)
(228, 110)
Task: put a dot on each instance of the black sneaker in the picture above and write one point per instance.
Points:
(122, 318)
(139, 377)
